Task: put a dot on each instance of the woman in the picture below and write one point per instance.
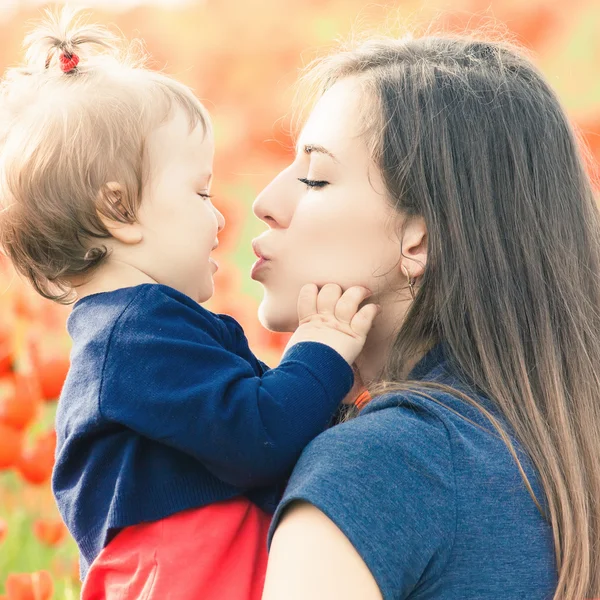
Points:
(443, 175)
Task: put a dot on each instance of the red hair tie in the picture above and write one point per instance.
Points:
(68, 62)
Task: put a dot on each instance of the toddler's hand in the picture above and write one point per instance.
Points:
(332, 318)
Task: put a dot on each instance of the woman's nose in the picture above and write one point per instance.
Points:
(220, 219)
(273, 205)
(259, 207)
(262, 213)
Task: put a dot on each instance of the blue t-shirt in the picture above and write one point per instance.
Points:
(434, 505)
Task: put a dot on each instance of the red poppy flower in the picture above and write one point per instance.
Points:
(49, 533)
(11, 443)
(29, 586)
(20, 397)
(36, 462)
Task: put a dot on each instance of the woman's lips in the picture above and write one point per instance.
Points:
(261, 262)
(258, 266)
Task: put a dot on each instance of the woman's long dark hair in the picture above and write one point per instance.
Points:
(469, 136)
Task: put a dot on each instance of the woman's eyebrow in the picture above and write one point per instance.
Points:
(310, 148)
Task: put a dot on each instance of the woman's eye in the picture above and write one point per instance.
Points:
(313, 183)
(205, 195)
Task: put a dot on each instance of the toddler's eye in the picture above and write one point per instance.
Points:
(313, 183)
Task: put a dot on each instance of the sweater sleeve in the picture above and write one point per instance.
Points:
(170, 376)
(239, 343)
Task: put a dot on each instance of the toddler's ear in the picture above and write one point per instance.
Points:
(115, 216)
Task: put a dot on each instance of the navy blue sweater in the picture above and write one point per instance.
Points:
(165, 408)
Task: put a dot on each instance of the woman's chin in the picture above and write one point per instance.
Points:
(276, 318)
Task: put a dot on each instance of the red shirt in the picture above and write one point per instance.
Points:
(218, 551)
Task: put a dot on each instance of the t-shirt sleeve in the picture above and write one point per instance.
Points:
(386, 479)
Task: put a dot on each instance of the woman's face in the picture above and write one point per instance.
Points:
(339, 227)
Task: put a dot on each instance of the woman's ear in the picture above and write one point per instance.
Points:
(414, 247)
(115, 216)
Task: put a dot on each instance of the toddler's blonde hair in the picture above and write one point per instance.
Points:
(64, 136)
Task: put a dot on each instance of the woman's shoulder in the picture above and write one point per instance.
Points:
(391, 420)
(430, 431)
(397, 440)
(395, 420)
(383, 478)
(419, 472)
(392, 433)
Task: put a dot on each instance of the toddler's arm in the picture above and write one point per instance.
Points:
(179, 383)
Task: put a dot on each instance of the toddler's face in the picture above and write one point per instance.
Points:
(178, 220)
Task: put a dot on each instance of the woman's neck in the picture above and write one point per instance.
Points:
(373, 358)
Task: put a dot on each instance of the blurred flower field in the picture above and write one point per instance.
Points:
(33, 363)
(241, 58)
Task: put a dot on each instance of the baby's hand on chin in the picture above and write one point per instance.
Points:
(333, 318)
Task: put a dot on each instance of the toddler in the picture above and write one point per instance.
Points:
(174, 440)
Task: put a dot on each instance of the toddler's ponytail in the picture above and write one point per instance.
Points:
(62, 40)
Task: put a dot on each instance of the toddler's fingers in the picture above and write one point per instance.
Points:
(328, 296)
(363, 320)
(347, 305)
(307, 301)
